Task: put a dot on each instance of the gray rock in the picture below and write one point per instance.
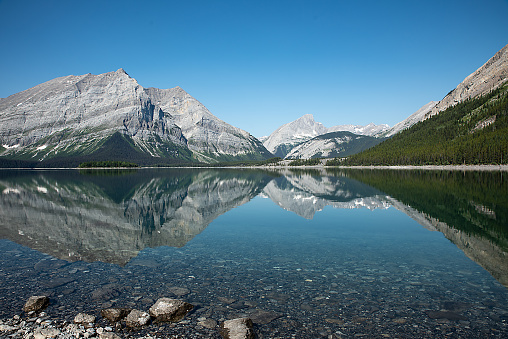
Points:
(115, 314)
(137, 318)
(7, 328)
(170, 310)
(264, 317)
(208, 323)
(109, 335)
(36, 303)
(44, 333)
(226, 300)
(83, 318)
(445, 315)
(240, 328)
(179, 291)
(105, 292)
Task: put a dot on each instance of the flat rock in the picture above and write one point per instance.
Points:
(264, 317)
(7, 328)
(179, 291)
(109, 335)
(36, 303)
(46, 333)
(137, 318)
(53, 283)
(115, 314)
(171, 310)
(226, 300)
(445, 315)
(208, 323)
(455, 306)
(240, 328)
(106, 292)
(83, 318)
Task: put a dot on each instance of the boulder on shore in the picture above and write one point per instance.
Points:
(170, 310)
(137, 318)
(83, 318)
(115, 314)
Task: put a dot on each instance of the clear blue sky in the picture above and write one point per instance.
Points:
(260, 64)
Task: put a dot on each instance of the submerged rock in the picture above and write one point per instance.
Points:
(264, 317)
(171, 310)
(179, 291)
(445, 315)
(240, 328)
(36, 303)
(208, 323)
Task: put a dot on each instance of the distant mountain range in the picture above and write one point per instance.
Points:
(72, 119)
(306, 138)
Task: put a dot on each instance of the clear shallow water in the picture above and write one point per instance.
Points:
(340, 258)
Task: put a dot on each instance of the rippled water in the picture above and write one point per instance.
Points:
(304, 254)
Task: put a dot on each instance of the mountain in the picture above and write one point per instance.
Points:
(417, 116)
(332, 145)
(488, 77)
(285, 138)
(370, 129)
(473, 131)
(92, 116)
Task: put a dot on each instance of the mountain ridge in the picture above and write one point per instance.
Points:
(293, 134)
(72, 116)
(486, 78)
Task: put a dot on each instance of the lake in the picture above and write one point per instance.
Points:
(304, 253)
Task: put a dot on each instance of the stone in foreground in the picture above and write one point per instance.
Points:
(36, 303)
(240, 328)
(43, 333)
(137, 318)
(170, 310)
(115, 314)
(83, 318)
(109, 335)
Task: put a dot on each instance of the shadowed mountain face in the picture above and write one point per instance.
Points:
(111, 216)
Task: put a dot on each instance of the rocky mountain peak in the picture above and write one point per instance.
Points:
(121, 71)
(293, 133)
(75, 114)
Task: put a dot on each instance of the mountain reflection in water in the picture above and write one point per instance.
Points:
(111, 216)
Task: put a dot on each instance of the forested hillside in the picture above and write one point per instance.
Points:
(474, 131)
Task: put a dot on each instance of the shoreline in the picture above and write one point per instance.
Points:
(501, 168)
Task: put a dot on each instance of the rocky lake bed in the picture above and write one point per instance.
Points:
(299, 254)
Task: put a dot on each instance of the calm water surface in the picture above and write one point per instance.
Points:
(305, 254)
